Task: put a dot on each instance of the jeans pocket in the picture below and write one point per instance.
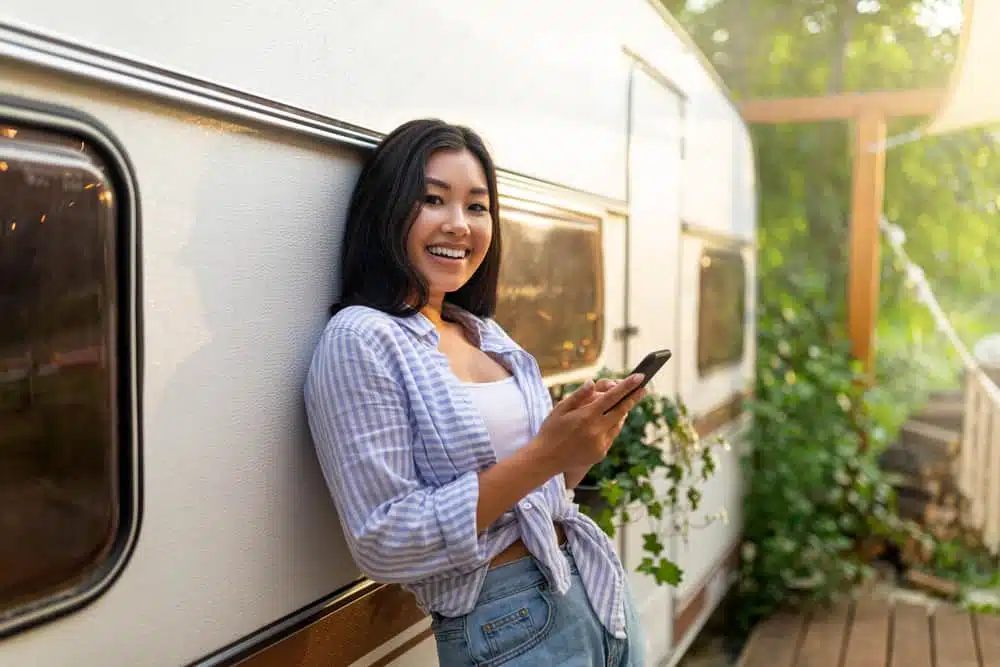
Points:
(504, 628)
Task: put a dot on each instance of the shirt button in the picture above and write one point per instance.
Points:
(526, 505)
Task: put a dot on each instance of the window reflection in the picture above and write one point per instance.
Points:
(551, 287)
(721, 309)
(58, 444)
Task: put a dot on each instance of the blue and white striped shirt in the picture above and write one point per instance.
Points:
(400, 444)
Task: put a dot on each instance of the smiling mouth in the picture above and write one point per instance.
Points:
(449, 253)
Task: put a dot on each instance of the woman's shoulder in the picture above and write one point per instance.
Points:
(361, 320)
(357, 345)
(362, 327)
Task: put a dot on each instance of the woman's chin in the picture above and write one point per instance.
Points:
(451, 289)
(442, 287)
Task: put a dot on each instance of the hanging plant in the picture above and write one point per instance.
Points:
(657, 448)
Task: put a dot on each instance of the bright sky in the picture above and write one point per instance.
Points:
(941, 14)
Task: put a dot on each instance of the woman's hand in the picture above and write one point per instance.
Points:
(573, 475)
(577, 434)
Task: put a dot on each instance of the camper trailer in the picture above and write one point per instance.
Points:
(173, 184)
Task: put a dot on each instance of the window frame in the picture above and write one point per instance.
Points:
(81, 126)
(514, 204)
(732, 248)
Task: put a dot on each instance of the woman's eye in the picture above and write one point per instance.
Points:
(432, 199)
(479, 208)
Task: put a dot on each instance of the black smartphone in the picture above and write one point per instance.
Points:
(648, 367)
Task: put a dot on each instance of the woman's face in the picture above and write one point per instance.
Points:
(453, 229)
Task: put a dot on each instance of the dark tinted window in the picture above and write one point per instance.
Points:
(551, 286)
(59, 448)
(721, 309)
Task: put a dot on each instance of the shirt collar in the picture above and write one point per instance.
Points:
(483, 335)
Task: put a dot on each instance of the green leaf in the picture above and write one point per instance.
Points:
(651, 543)
(667, 572)
(613, 493)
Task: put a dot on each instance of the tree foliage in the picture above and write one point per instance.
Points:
(814, 492)
(943, 191)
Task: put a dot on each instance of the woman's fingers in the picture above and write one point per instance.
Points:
(587, 393)
(616, 428)
(612, 396)
(578, 397)
(606, 384)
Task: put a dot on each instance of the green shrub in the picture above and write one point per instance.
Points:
(815, 492)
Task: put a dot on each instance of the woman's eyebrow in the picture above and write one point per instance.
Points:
(445, 186)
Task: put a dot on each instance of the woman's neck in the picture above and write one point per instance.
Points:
(434, 312)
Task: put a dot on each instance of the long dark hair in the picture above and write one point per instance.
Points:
(387, 197)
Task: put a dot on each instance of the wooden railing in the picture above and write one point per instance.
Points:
(977, 466)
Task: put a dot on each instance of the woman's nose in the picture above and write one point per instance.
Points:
(457, 222)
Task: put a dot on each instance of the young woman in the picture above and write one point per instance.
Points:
(446, 460)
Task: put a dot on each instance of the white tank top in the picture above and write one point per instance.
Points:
(505, 412)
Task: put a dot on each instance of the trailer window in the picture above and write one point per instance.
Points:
(551, 286)
(60, 451)
(721, 309)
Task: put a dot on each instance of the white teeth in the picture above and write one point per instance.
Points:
(451, 253)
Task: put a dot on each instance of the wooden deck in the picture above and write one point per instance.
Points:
(871, 632)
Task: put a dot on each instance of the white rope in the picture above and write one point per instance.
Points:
(925, 295)
(897, 140)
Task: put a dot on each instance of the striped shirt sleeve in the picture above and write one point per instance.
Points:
(398, 529)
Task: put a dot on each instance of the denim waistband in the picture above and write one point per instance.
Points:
(517, 575)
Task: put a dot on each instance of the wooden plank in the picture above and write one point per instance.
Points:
(868, 643)
(825, 633)
(774, 642)
(966, 457)
(919, 102)
(867, 194)
(981, 478)
(954, 641)
(988, 635)
(911, 637)
(991, 536)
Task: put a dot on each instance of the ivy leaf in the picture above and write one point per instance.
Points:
(694, 497)
(613, 493)
(666, 572)
(651, 543)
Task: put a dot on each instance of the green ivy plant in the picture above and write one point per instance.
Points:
(815, 492)
(657, 442)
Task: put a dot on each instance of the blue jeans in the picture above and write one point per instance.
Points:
(519, 622)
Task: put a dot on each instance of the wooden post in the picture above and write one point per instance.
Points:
(867, 194)
(869, 112)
